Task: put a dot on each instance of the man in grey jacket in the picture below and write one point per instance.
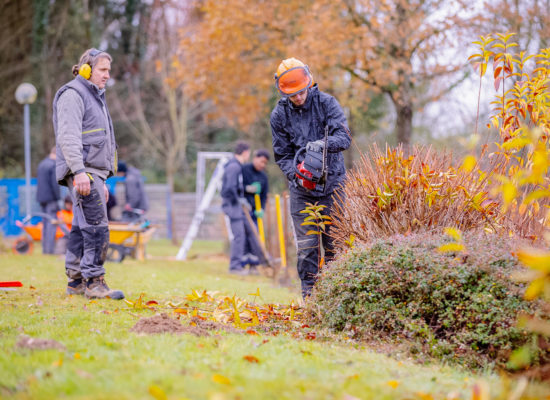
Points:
(86, 157)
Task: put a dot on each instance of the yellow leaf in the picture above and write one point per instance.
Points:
(57, 363)
(224, 380)
(77, 356)
(451, 248)
(393, 383)
(535, 259)
(454, 233)
(509, 192)
(534, 289)
(157, 392)
(257, 293)
(469, 163)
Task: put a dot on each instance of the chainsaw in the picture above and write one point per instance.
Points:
(310, 167)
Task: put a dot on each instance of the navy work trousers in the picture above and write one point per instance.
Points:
(48, 229)
(307, 246)
(89, 237)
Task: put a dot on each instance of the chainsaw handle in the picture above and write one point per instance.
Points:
(296, 162)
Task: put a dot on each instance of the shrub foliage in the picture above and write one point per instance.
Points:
(456, 308)
(389, 193)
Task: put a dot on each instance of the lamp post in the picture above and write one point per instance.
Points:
(26, 94)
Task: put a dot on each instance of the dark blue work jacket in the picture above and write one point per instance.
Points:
(293, 127)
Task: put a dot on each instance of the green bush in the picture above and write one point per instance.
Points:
(460, 307)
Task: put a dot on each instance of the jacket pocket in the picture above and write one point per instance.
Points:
(94, 152)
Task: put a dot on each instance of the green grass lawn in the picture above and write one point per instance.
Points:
(104, 360)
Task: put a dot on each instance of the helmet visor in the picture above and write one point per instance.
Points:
(293, 81)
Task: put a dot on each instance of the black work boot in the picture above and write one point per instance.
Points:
(76, 286)
(96, 288)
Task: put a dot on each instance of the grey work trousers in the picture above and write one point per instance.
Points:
(244, 240)
(48, 229)
(89, 236)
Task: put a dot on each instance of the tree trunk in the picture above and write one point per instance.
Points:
(404, 124)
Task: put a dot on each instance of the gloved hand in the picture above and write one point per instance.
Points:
(244, 203)
(259, 213)
(254, 187)
(317, 145)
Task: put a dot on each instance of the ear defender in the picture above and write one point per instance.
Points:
(85, 71)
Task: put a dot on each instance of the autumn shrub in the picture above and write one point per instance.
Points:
(390, 193)
(459, 308)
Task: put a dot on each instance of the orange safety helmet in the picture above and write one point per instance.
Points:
(293, 77)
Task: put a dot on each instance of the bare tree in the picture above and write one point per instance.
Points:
(155, 106)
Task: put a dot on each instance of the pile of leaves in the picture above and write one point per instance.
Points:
(459, 306)
(222, 309)
(389, 192)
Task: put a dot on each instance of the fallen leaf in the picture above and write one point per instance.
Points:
(31, 287)
(151, 303)
(180, 311)
(311, 336)
(252, 332)
(224, 380)
(393, 383)
(157, 392)
(57, 363)
(251, 359)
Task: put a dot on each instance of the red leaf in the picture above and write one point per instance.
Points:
(152, 302)
(251, 359)
(311, 336)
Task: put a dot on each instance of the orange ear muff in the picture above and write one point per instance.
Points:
(85, 71)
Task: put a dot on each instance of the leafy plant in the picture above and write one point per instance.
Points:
(320, 222)
(457, 305)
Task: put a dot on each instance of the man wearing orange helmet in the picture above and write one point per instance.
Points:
(307, 118)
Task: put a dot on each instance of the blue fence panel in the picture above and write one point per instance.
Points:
(12, 202)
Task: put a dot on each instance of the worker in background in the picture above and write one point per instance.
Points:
(255, 182)
(86, 157)
(48, 195)
(136, 200)
(234, 205)
(299, 120)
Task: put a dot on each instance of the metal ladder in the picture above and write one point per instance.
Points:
(203, 199)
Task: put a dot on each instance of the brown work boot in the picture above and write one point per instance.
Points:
(96, 288)
(76, 286)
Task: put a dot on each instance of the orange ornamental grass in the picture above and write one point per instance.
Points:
(389, 193)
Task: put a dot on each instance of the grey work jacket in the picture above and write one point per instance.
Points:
(84, 133)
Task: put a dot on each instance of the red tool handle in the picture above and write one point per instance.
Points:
(11, 284)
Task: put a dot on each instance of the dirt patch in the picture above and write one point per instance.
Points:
(214, 326)
(27, 342)
(162, 323)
